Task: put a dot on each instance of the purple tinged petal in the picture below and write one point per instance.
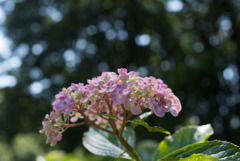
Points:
(94, 82)
(110, 86)
(47, 116)
(127, 91)
(65, 104)
(61, 95)
(122, 71)
(153, 79)
(133, 105)
(69, 101)
(53, 141)
(85, 98)
(42, 131)
(128, 104)
(59, 106)
(74, 119)
(133, 74)
(59, 137)
(73, 87)
(129, 83)
(158, 111)
(162, 103)
(103, 89)
(119, 99)
(173, 111)
(148, 104)
(174, 105)
(136, 110)
(69, 109)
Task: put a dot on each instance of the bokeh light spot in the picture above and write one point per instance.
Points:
(35, 73)
(22, 50)
(231, 73)
(81, 44)
(91, 50)
(143, 40)
(122, 35)
(110, 34)
(7, 81)
(36, 88)
(103, 66)
(189, 60)
(174, 6)
(71, 58)
(38, 48)
(104, 26)
(2, 16)
(225, 23)
(235, 122)
(198, 47)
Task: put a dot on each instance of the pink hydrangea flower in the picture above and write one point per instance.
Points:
(111, 94)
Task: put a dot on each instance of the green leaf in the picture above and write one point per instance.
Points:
(101, 143)
(150, 129)
(58, 155)
(109, 116)
(200, 157)
(146, 149)
(183, 137)
(145, 115)
(219, 149)
(140, 121)
(235, 157)
(193, 157)
(142, 116)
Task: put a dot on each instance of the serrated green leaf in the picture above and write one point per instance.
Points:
(219, 149)
(183, 137)
(101, 143)
(193, 157)
(235, 157)
(150, 129)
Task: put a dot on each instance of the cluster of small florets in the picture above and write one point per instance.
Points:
(110, 94)
(52, 127)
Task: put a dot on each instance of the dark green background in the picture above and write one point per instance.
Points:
(195, 51)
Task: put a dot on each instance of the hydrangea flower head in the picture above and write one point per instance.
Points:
(110, 94)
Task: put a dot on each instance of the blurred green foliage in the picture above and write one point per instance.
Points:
(60, 156)
(26, 146)
(146, 149)
(5, 152)
(192, 45)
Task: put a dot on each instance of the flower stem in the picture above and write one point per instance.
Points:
(129, 148)
(93, 124)
(123, 141)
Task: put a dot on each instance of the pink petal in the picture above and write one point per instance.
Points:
(59, 137)
(119, 99)
(136, 110)
(158, 111)
(127, 91)
(122, 71)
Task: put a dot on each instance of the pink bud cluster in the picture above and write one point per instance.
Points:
(51, 129)
(111, 94)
